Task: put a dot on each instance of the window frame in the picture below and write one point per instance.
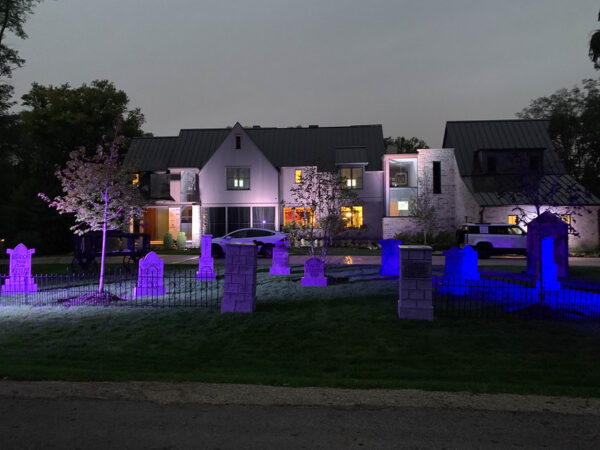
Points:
(437, 177)
(352, 177)
(237, 176)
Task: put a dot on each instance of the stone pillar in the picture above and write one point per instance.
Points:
(415, 289)
(240, 278)
(206, 262)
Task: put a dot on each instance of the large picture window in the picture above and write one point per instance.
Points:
(238, 178)
(160, 186)
(298, 215)
(186, 221)
(352, 177)
(263, 217)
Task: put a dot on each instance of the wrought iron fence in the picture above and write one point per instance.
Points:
(177, 288)
(507, 297)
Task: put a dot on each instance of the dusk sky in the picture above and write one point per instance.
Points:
(408, 65)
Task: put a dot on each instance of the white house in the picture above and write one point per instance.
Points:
(217, 180)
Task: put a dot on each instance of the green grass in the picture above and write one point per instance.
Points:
(337, 251)
(356, 342)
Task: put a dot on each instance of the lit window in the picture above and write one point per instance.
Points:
(298, 176)
(352, 177)
(136, 179)
(566, 218)
(512, 220)
(299, 216)
(238, 178)
(352, 216)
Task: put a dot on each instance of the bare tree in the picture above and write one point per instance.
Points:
(422, 207)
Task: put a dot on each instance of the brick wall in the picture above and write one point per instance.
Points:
(415, 291)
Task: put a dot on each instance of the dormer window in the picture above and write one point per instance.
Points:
(238, 142)
(352, 177)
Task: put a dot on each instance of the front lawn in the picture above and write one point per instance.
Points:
(342, 342)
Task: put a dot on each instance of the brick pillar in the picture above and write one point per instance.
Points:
(240, 278)
(415, 290)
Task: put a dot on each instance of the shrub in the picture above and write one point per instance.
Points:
(181, 240)
(168, 240)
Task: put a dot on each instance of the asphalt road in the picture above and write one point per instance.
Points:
(61, 415)
(67, 423)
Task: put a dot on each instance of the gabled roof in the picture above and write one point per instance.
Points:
(469, 137)
(282, 146)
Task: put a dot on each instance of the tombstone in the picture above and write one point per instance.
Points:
(150, 277)
(389, 256)
(314, 273)
(19, 279)
(206, 263)
(549, 272)
(546, 225)
(415, 290)
(240, 278)
(281, 259)
(461, 264)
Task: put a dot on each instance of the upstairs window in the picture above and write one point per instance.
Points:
(238, 178)
(189, 186)
(298, 176)
(238, 142)
(160, 186)
(437, 177)
(352, 177)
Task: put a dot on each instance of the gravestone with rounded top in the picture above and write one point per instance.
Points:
(314, 273)
(281, 259)
(206, 263)
(389, 256)
(150, 277)
(461, 264)
(547, 225)
(19, 279)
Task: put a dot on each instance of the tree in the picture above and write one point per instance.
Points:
(322, 195)
(403, 145)
(56, 121)
(13, 14)
(422, 209)
(574, 128)
(99, 192)
(594, 47)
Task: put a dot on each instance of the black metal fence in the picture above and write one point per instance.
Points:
(506, 297)
(178, 288)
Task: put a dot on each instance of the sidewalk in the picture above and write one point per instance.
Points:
(244, 394)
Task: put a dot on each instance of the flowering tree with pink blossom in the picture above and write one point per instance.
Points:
(99, 191)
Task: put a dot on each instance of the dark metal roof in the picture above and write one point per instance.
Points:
(351, 155)
(504, 190)
(148, 154)
(469, 137)
(282, 146)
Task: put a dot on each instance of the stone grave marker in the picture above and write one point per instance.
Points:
(547, 225)
(281, 259)
(314, 273)
(240, 278)
(150, 277)
(461, 264)
(19, 279)
(206, 263)
(389, 256)
(415, 288)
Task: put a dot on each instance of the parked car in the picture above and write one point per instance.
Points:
(493, 238)
(265, 240)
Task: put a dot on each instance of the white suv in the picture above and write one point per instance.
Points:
(493, 238)
(265, 240)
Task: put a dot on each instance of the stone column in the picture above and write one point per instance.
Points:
(415, 289)
(240, 278)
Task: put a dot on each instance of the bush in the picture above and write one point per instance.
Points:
(181, 240)
(441, 241)
(168, 240)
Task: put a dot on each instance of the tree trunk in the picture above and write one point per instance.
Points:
(101, 282)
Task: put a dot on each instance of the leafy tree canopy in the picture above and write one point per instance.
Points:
(594, 48)
(403, 145)
(574, 116)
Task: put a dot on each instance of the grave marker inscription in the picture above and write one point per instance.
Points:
(19, 279)
(150, 277)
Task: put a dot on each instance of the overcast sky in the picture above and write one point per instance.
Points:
(410, 65)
